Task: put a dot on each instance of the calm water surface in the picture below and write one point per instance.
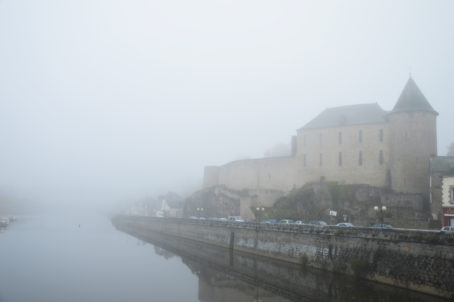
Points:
(53, 259)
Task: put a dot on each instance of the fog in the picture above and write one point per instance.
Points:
(107, 101)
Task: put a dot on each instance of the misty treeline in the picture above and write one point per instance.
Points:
(450, 150)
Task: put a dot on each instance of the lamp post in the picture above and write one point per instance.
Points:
(199, 211)
(380, 212)
(259, 212)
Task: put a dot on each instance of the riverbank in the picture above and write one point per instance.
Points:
(417, 260)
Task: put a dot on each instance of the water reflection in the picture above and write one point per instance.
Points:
(224, 276)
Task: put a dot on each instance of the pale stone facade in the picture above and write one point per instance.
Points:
(447, 192)
(359, 144)
(346, 154)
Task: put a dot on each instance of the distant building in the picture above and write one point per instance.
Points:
(357, 144)
(442, 191)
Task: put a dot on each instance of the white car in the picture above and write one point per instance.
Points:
(286, 221)
(345, 224)
(449, 228)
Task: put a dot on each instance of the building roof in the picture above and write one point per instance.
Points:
(443, 164)
(412, 99)
(348, 115)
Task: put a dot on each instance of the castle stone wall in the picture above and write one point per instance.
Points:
(270, 173)
(413, 141)
(346, 154)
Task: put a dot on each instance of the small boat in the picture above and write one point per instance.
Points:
(4, 222)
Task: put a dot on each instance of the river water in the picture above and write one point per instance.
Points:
(55, 258)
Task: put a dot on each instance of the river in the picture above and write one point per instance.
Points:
(85, 258)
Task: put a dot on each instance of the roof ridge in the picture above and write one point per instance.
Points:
(356, 114)
(353, 105)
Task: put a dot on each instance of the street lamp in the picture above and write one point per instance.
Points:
(199, 211)
(258, 210)
(380, 212)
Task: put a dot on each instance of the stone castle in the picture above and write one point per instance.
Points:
(356, 144)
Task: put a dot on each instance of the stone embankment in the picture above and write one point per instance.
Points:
(412, 259)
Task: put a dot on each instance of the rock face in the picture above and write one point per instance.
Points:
(354, 203)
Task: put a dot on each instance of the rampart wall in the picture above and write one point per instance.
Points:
(277, 173)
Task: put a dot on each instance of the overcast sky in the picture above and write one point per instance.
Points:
(108, 100)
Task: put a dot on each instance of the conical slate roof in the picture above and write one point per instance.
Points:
(412, 99)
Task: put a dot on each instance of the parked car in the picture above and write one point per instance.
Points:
(449, 228)
(299, 222)
(318, 222)
(270, 221)
(345, 224)
(383, 226)
(286, 221)
(235, 218)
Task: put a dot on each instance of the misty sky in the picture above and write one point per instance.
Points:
(109, 100)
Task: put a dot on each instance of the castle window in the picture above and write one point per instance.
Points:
(360, 136)
(304, 160)
(340, 159)
(321, 159)
(381, 135)
(381, 159)
(360, 158)
(340, 138)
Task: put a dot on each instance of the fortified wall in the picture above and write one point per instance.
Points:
(418, 260)
(276, 173)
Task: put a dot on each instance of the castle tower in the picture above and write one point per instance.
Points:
(413, 139)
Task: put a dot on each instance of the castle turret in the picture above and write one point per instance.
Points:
(413, 140)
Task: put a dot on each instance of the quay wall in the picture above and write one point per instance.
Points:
(412, 259)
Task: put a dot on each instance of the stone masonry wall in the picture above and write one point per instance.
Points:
(276, 173)
(417, 260)
(413, 140)
(334, 154)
